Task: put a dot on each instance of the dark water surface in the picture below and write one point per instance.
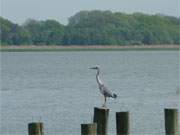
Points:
(59, 89)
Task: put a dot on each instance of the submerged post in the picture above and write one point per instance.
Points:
(89, 129)
(35, 128)
(101, 118)
(122, 123)
(171, 121)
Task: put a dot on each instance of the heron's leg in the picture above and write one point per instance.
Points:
(104, 105)
(105, 102)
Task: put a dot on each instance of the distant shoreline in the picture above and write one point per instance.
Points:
(27, 48)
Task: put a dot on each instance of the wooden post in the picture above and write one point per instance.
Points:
(122, 123)
(35, 128)
(101, 118)
(89, 129)
(171, 121)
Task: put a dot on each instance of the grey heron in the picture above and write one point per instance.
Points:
(103, 89)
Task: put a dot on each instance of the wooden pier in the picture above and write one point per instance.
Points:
(123, 122)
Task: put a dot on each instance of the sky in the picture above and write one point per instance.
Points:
(20, 10)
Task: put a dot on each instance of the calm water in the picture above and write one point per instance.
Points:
(59, 89)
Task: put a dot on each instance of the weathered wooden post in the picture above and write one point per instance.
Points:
(171, 121)
(89, 129)
(122, 123)
(36, 128)
(101, 118)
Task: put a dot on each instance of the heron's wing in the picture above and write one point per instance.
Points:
(106, 91)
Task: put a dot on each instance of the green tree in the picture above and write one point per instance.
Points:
(107, 28)
(49, 32)
(13, 34)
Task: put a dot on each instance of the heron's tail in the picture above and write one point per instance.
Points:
(114, 96)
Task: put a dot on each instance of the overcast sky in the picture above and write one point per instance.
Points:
(19, 10)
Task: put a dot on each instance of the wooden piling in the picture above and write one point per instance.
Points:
(122, 123)
(171, 121)
(101, 118)
(36, 128)
(89, 129)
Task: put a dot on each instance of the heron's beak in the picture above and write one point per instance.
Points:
(93, 68)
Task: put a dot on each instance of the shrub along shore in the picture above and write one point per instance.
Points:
(24, 48)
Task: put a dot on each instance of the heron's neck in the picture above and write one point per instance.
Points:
(97, 77)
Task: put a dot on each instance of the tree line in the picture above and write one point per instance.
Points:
(94, 28)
